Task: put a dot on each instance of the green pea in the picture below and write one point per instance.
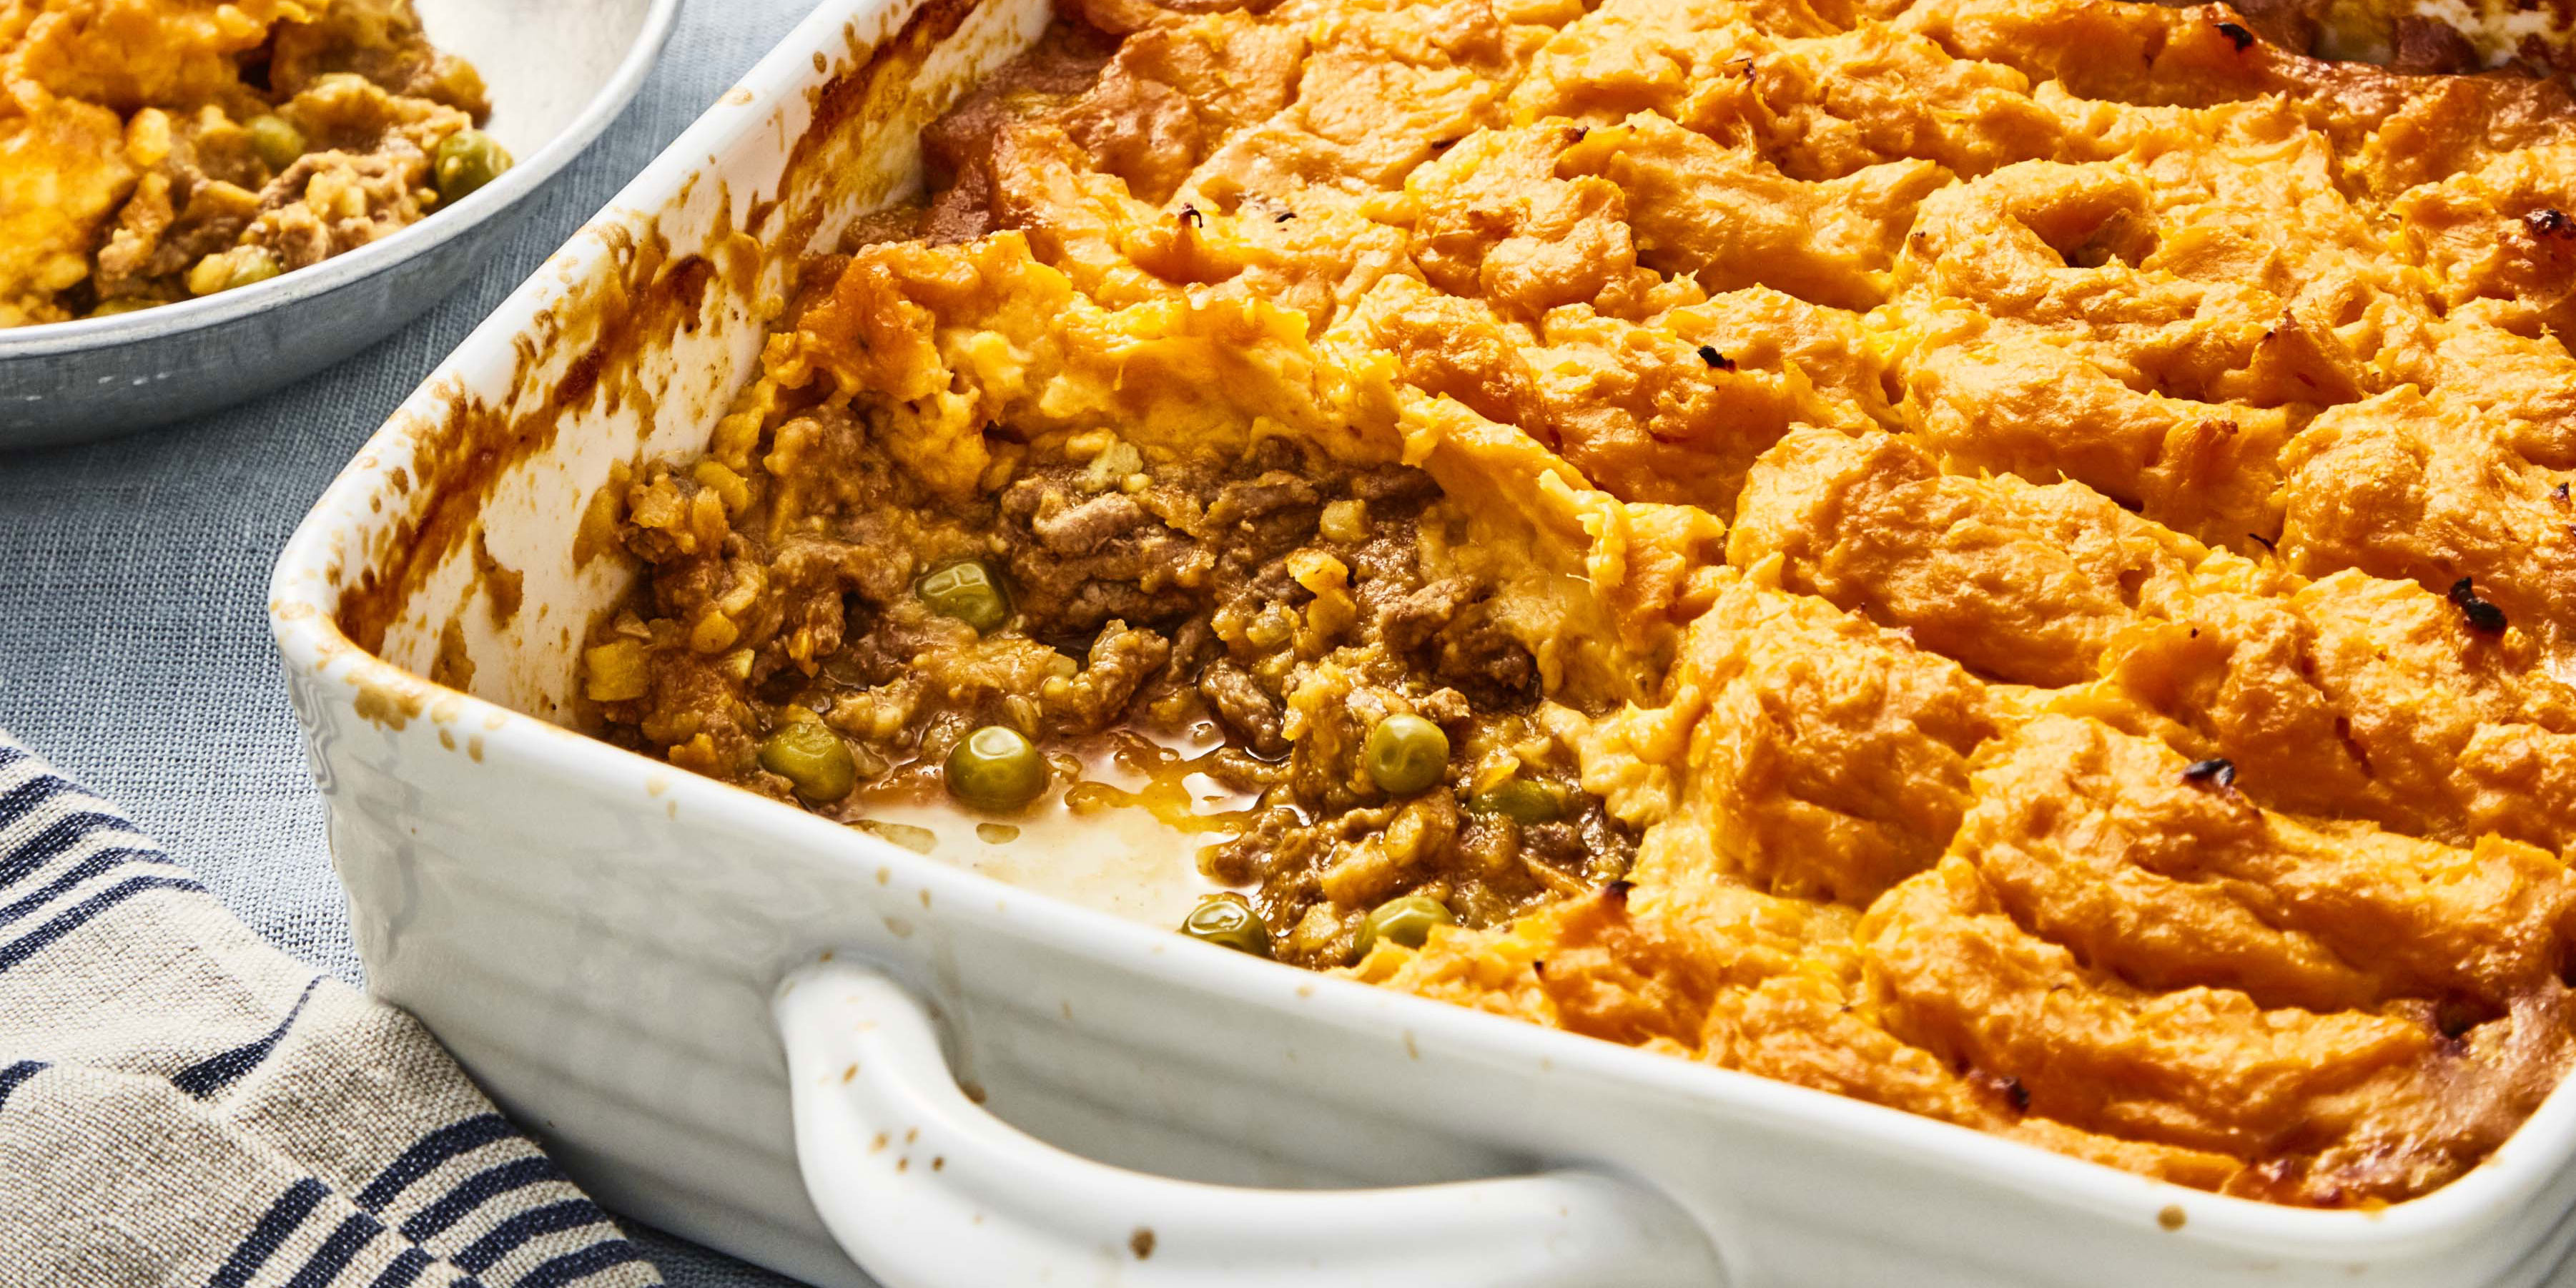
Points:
(275, 140)
(465, 161)
(1228, 920)
(813, 758)
(969, 591)
(1406, 754)
(1520, 800)
(996, 768)
(1407, 921)
(256, 264)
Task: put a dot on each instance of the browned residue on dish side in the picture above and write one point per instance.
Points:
(390, 705)
(876, 83)
(619, 319)
(597, 533)
(503, 585)
(452, 666)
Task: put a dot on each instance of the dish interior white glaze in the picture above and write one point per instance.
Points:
(543, 63)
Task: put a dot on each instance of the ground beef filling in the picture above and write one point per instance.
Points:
(1247, 619)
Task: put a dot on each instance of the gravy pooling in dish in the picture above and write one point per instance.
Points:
(2007, 558)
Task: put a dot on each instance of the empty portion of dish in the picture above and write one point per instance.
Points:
(2007, 558)
(154, 150)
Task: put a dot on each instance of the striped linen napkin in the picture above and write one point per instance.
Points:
(182, 1104)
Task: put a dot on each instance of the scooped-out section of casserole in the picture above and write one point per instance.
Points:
(156, 150)
(2007, 558)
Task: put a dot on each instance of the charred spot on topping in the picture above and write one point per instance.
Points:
(2236, 35)
(1190, 215)
(2004, 1086)
(2560, 492)
(2268, 544)
(2453, 1017)
(1283, 216)
(2481, 616)
(1717, 361)
(2217, 771)
(1616, 892)
(2550, 221)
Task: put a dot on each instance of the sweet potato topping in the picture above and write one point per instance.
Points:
(2006, 558)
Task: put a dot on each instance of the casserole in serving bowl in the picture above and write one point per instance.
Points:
(593, 932)
(554, 77)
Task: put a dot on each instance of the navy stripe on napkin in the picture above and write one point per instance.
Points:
(283, 1216)
(12, 1075)
(355, 1231)
(68, 863)
(403, 1269)
(34, 941)
(58, 837)
(216, 1072)
(510, 1235)
(475, 1191)
(74, 876)
(431, 1150)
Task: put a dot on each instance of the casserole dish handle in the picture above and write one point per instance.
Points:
(923, 1188)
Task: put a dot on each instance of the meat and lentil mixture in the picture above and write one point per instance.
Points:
(2007, 558)
(1298, 620)
(155, 150)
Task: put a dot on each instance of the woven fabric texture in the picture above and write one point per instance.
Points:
(134, 647)
(181, 1103)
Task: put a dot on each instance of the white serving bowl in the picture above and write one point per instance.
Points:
(790, 1040)
(558, 73)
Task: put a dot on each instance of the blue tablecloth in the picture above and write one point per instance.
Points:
(134, 647)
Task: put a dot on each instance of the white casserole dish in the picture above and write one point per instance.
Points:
(712, 1007)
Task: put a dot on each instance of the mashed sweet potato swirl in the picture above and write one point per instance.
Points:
(2045, 523)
